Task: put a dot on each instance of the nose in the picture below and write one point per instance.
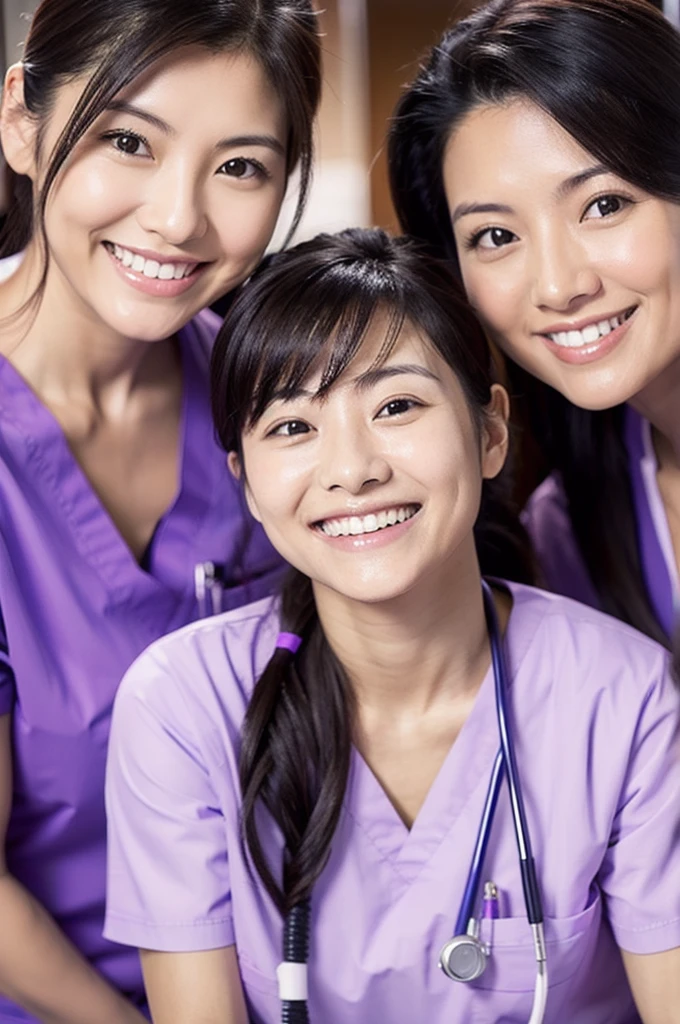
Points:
(564, 275)
(173, 207)
(351, 460)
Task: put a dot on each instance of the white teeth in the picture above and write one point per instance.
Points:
(355, 526)
(151, 268)
(590, 334)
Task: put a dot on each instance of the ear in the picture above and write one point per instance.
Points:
(236, 470)
(495, 434)
(18, 129)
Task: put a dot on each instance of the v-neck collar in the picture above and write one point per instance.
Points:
(462, 777)
(65, 486)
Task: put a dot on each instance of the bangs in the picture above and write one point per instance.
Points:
(326, 351)
(306, 312)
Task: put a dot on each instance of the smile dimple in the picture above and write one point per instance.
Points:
(592, 333)
(150, 268)
(355, 526)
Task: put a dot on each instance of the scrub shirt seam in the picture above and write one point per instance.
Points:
(114, 916)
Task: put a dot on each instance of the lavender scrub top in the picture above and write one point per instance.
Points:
(76, 610)
(564, 571)
(596, 726)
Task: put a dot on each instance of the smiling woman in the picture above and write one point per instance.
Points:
(154, 140)
(538, 149)
(305, 777)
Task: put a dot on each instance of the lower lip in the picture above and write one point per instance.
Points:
(590, 353)
(153, 285)
(368, 541)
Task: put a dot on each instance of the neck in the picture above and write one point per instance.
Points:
(64, 351)
(658, 403)
(408, 655)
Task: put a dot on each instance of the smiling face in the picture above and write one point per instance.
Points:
(375, 488)
(575, 272)
(170, 198)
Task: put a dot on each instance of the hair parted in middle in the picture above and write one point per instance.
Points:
(608, 72)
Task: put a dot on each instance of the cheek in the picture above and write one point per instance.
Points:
(497, 299)
(246, 224)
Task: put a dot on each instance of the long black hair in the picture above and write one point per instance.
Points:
(115, 41)
(607, 71)
(307, 307)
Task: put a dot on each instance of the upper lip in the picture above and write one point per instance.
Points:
(157, 256)
(580, 325)
(366, 510)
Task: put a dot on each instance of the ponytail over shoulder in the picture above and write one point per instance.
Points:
(295, 752)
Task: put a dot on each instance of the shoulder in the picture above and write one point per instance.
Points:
(548, 523)
(572, 643)
(204, 672)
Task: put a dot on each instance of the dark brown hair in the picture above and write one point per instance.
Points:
(115, 41)
(608, 71)
(307, 307)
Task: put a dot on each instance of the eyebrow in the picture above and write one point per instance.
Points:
(562, 191)
(464, 209)
(576, 180)
(233, 142)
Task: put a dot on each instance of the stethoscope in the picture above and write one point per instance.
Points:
(464, 957)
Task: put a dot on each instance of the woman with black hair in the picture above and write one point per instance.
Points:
(151, 142)
(539, 149)
(305, 777)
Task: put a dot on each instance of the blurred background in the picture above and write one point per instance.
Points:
(372, 49)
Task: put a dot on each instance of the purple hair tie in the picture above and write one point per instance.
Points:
(289, 642)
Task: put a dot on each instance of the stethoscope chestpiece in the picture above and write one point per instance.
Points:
(463, 958)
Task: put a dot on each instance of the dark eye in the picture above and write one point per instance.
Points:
(492, 238)
(241, 168)
(605, 206)
(130, 144)
(397, 407)
(290, 428)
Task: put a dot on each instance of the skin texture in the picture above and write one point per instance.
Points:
(385, 599)
(564, 254)
(414, 646)
(102, 357)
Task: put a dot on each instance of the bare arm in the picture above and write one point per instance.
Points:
(39, 968)
(655, 982)
(194, 988)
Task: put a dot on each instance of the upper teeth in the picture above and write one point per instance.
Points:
(151, 268)
(590, 334)
(355, 525)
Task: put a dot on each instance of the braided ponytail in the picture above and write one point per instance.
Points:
(295, 751)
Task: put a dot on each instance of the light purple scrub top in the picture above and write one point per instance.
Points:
(563, 568)
(77, 610)
(598, 746)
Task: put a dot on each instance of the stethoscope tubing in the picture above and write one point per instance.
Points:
(472, 886)
(532, 896)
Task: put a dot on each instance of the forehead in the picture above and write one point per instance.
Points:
(198, 93)
(510, 146)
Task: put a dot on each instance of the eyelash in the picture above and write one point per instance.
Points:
(412, 403)
(260, 170)
(624, 199)
(120, 133)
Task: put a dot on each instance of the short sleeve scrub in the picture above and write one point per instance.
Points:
(596, 730)
(76, 610)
